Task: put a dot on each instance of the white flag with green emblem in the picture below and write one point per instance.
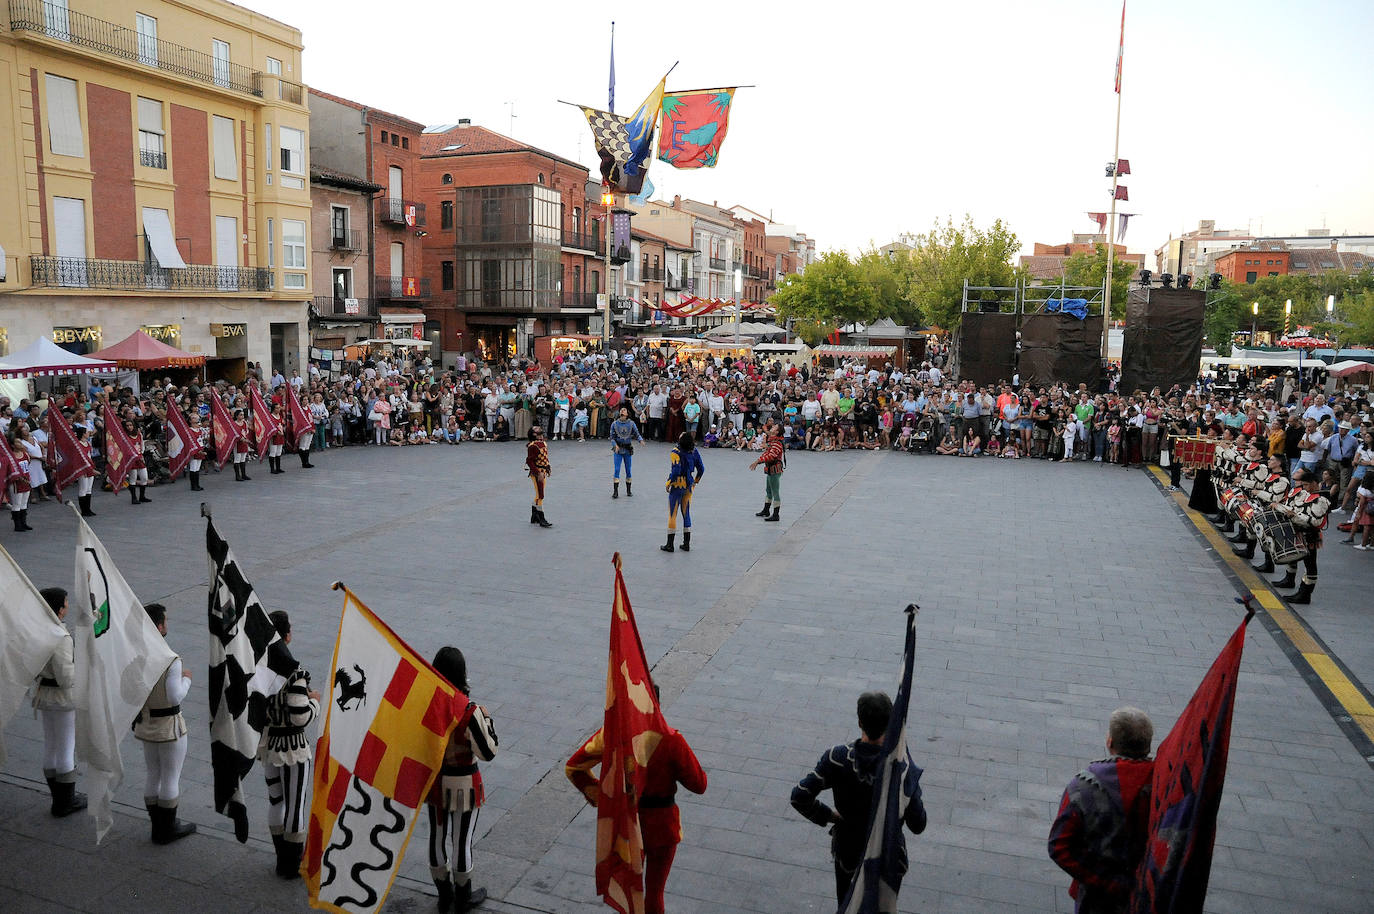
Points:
(120, 656)
(31, 634)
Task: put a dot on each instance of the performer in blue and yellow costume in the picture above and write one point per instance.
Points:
(684, 462)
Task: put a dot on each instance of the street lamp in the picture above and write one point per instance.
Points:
(739, 291)
(1287, 312)
(1254, 322)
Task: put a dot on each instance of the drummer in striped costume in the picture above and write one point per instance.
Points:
(285, 751)
(457, 795)
(1239, 494)
(1308, 510)
(1269, 492)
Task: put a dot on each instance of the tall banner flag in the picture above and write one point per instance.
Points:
(120, 656)
(181, 444)
(1121, 47)
(241, 677)
(32, 633)
(631, 731)
(383, 744)
(299, 426)
(610, 101)
(225, 432)
(265, 425)
(693, 127)
(1121, 220)
(624, 144)
(1185, 794)
(69, 459)
(879, 877)
(9, 469)
(119, 455)
(1100, 219)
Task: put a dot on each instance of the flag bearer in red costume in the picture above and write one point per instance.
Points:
(539, 468)
(242, 447)
(85, 434)
(138, 469)
(774, 461)
(278, 442)
(672, 763)
(200, 446)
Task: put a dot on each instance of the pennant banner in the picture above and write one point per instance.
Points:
(241, 679)
(693, 127)
(226, 433)
(897, 790)
(70, 459)
(1100, 219)
(1121, 193)
(32, 633)
(624, 144)
(299, 426)
(1121, 47)
(1121, 221)
(383, 745)
(120, 656)
(1185, 794)
(183, 445)
(10, 469)
(265, 425)
(119, 455)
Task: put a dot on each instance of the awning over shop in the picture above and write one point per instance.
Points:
(407, 317)
(141, 351)
(158, 228)
(44, 358)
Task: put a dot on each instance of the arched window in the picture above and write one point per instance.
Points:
(448, 179)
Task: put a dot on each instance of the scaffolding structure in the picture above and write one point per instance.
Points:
(1024, 298)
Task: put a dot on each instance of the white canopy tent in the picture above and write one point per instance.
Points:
(748, 328)
(44, 358)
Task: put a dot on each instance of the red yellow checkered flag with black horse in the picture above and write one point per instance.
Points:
(390, 716)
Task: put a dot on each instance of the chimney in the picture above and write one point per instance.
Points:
(464, 122)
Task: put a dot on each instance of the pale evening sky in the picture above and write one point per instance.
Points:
(870, 119)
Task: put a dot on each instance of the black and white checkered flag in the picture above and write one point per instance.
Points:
(611, 134)
(241, 678)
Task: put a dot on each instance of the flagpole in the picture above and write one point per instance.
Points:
(1116, 159)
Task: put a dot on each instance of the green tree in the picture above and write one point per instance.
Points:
(1090, 269)
(833, 291)
(939, 262)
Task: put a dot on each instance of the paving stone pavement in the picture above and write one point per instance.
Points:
(1049, 595)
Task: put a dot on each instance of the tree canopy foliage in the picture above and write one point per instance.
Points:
(1089, 269)
(1351, 323)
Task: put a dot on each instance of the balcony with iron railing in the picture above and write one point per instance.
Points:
(717, 263)
(145, 276)
(55, 21)
(150, 158)
(577, 300)
(329, 306)
(585, 241)
(400, 288)
(673, 282)
(651, 274)
(346, 240)
(395, 211)
(754, 272)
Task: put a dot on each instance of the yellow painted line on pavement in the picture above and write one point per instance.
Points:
(1346, 693)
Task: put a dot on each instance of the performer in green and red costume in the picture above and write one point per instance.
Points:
(774, 461)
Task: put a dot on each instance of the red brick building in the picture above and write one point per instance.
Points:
(513, 245)
(1249, 263)
(756, 259)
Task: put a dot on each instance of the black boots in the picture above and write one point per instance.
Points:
(668, 546)
(465, 897)
(543, 521)
(288, 857)
(629, 492)
(686, 540)
(774, 517)
(1267, 567)
(1304, 594)
(18, 518)
(167, 827)
(85, 502)
(65, 799)
(143, 498)
(241, 472)
(445, 888)
(133, 495)
(534, 514)
(766, 507)
(24, 521)
(305, 460)
(615, 489)
(1247, 551)
(1290, 578)
(195, 480)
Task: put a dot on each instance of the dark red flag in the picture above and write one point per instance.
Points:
(119, 453)
(265, 425)
(1190, 771)
(9, 469)
(226, 433)
(298, 424)
(181, 444)
(1121, 193)
(70, 460)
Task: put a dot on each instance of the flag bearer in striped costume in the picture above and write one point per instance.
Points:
(457, 795)
(538, 466)
(285, 752)
(162, 730)
(774, 460)
(52, 699)
(683, 463)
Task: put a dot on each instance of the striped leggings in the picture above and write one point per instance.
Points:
(288, 797)
(461, 826)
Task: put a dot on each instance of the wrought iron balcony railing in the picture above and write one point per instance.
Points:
(329, 306)
(54, 20)
(392, 288)
(346, 240)
(585, 241)
(141, 275)
(577, 300)
(151, 159)
(674, 283)
(396, 211)
(718, 263)
(651, 274)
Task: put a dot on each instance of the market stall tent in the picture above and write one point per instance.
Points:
(139, 350)
(44, 358)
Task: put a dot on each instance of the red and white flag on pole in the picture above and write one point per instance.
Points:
(70, 459)
(299, 427)
(10, 471)
(181, 444)
(265, 425)
(119, 454)
(226, 433)
(1121, 47)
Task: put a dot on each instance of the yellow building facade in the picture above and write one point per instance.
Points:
(154, 174)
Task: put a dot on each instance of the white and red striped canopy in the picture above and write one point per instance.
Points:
(44, 358)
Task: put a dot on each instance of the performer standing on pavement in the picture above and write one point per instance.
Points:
(200, 445)
(52, 699)
(138, 468)
(685, 469)
(285, 751)
(624, 433)
(1099, 836)
(277, 443)
(241, 447)
(85, 434)
(660, 822)
(539, 469)
(162, 730)
(774, 460)
(1308, 510)
(1270, 491)
(457, 795)
(849, 771)
(19, 485)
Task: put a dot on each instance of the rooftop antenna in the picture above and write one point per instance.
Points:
(513, 115)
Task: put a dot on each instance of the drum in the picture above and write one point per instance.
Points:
(1245, 513)
(1279, 538)
(1227, 496)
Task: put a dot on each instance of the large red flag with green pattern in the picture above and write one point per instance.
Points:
(693, 127)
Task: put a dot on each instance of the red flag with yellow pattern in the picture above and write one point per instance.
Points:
(390, 716)
(632, 729)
